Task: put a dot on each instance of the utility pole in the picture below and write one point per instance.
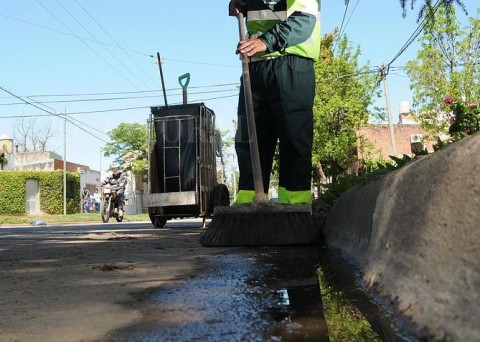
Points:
(384, 73)
(159, 61)
(65, 164)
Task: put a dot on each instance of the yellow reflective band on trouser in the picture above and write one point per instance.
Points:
(294, 197)
(245, 196)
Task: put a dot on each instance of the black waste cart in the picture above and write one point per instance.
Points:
(182, 175)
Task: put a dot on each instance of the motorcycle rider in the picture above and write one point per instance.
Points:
(118, 180)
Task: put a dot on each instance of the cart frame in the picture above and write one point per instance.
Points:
(176, 194)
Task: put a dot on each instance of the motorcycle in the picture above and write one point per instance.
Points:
(110, 203)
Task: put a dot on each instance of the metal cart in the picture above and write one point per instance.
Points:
(182, 176)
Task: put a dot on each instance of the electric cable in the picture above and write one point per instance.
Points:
(106, 48)
(116, 43)
(117, 109)
(416, 33)
(120, 98)
(88, 46)
(31, 103)
(347, 2)
(114, 46)
(237, 84)
(70, 34)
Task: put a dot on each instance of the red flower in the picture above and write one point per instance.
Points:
(448, 100)
(471, 105)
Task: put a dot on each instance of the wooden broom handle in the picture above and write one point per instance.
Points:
(260, 196)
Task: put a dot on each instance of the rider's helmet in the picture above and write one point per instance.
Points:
(115, 168)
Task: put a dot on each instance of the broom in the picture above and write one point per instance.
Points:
(262, 223)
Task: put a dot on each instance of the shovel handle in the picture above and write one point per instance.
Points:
(184, 80)
(184, 84)
(260, 196)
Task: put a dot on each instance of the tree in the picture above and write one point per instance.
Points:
(344, 92)
(446, 4)
(30, 137)
(446, 66)
(224, 141)
(130, 146)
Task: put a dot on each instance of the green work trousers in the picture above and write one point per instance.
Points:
(283, 91)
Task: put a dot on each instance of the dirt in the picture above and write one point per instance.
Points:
(72, 282)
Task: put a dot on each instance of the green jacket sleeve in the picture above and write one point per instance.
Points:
(296, 29)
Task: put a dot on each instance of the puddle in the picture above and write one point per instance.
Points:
(350, 314)
(264, 294)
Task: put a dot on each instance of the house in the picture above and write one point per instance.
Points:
(407, 137)
(44, 161)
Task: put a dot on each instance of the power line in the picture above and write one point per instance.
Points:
(70, 34)
(114, 46)
(105, 47)
(88, 46)
(416, 33)
(351, 14)
(200, 63)
(49, 112)
(347, 3)
(121, 98)
(91, 127)
(116, 109)
(134, 92)
(116, 43)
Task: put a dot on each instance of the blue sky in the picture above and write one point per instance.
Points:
(95, 56)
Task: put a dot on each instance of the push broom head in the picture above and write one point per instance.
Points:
(261, 225)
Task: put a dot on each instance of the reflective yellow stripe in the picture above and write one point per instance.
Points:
(259, 22)
(267, 15)
(245, 196)
(294, 197)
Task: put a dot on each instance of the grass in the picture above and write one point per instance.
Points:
(73, 218)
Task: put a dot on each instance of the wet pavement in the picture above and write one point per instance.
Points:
(232, 294)
(265, 294)
(352, 314)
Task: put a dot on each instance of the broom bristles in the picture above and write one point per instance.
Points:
(261, 225)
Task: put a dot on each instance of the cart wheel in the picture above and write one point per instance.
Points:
(157, 221)
(119, 218)
(220, 196)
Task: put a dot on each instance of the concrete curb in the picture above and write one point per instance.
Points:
(414, 235)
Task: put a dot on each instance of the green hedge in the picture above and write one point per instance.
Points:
(13, 191)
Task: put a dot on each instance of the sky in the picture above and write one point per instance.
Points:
(96, 61)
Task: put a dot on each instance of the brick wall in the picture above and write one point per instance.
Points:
(71, 167)
(379, 137)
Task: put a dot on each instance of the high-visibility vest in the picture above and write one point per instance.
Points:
(261, 18)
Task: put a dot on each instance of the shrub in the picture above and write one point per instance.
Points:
(13, 191)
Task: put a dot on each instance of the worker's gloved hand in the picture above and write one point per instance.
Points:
(237, 6)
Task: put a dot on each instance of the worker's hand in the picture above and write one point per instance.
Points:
(237, 6)
(251, 47)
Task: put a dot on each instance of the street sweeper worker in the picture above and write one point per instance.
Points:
(282, 45)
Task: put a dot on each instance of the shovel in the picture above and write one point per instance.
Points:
(184, 80)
